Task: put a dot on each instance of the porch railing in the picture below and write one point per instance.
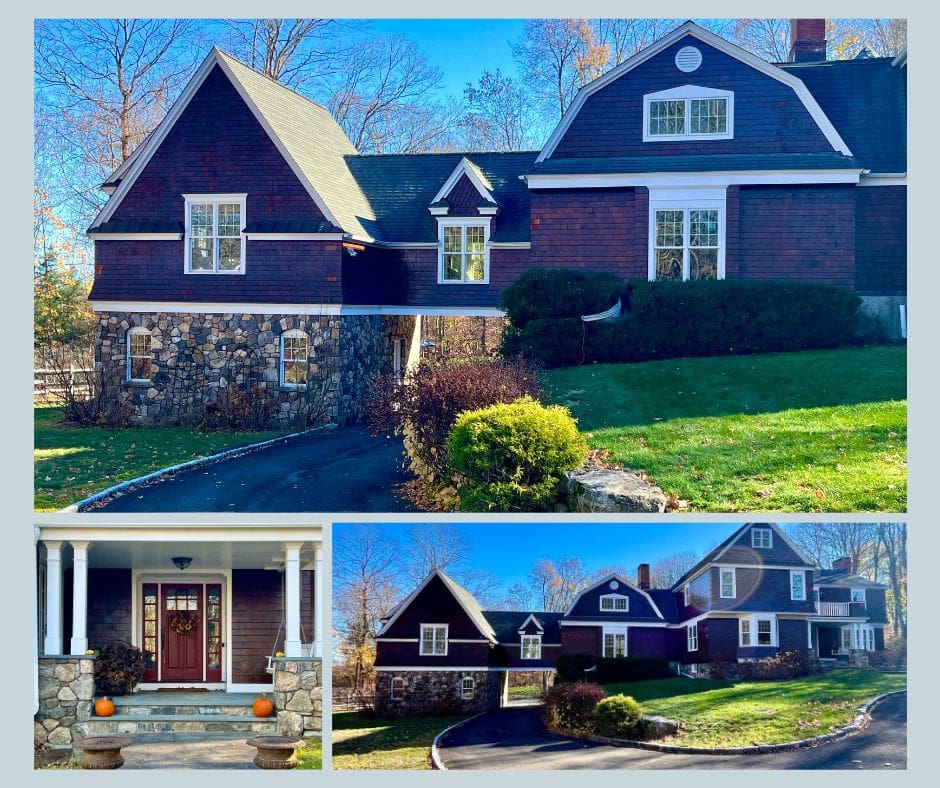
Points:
(833, 608)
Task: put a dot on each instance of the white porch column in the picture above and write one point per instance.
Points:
(292, 599)
(53, 641)
(318, 603)
(79, 598)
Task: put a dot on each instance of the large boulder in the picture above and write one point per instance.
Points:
(657, 727)
(593, 489)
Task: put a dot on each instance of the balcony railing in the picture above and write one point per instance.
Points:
(833, 608)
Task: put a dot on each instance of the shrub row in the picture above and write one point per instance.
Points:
(608, 670)
(556, 293)
(706, 318)
(782, 665)
(583, 708)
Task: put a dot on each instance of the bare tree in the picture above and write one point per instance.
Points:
(556, 583)
(625, 37)
(880, 37)
(766, 38)
(666, 571)
(825, 542)
(499, 115)
(893, 538)
(446, 548)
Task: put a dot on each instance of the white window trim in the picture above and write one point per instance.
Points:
(752, 620)
(136, 331)
(686, 595)
(463, 689)
(464, 222)
(391, 689)
(615, 630)
(538, 646)
(864, 597)
(734, 583)
(292, 333)
(691, 635)
(803, 576)
(769, 531)
(600, 603)
(687, 93)
(421, 651)
(213, 199)
(686, 200)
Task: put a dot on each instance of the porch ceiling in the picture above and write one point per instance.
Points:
(205, 555)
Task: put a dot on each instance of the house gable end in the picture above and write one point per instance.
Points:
(781, 551)
(640, 604)
(432, 603)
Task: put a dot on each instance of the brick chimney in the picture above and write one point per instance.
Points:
(845, 564)
(643, 576)
(807, 40)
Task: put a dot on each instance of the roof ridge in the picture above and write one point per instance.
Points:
(443, 153)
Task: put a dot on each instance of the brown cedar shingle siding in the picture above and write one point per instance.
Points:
(762, 590)
(464, 198)
(741, 552)
(881, 240)
(422, 289)
(109, 606)
(588, 604)
(458, 654)
(581, 640)
(434, 605)
(768, 116)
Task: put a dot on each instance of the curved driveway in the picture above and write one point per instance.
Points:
(343, 470)
(516, 739)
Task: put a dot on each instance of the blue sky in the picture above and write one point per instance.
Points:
(510, 550)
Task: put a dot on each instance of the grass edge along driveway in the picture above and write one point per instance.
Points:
(717, 713)
(820, 430)
(361, 742)
(71, 463)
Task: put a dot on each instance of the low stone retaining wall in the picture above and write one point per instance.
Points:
(437, 692)
(66, 695)
(298, 696)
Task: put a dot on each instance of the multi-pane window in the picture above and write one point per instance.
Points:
(686, 595)
(531, 647)
(765, 635)
(615, 644)
(433, 640)
(727, 590)
(213, 628)
(397, 691)
(467, 685)
(614, 602)
(295, 350)
(708, 116)
(667, 117)
(847, 637)
(798, 585)
(687, 244)
(745, 632)
(858, 595)
(139, 355)
(150, 627)
(688, 113)
(762, 538)
(463, 253)
(214, 239)
(692, 636)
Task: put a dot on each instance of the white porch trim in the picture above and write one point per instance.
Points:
(292, 640)
(53, 639)
(79, 643)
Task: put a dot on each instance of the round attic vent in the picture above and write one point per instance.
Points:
(688, 59)
(614, 585)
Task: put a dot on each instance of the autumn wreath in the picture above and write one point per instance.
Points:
(183, 623)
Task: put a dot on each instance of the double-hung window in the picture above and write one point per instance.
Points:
(615, 603)
(139, 355)
(294, 361)
(857, 595)
(397, 690)
(467, 686)
(798, 586)
(688, 113)
(615, 642)
(463, 251)
(692, 636)
(531, 647)
(687, 243)
(758, 630)
(433, 640)
(726, 583)
(686, 595)
(215, 240)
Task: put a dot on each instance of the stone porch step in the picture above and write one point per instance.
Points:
(169, 723)
(182, 703)
(175, 710)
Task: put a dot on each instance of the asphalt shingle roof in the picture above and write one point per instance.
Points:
(138, 226)
(470, 604)
(507, 623)
(839, 577)
(703, 163)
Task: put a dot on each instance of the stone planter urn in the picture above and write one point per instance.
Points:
(275, 752)
(101, 752)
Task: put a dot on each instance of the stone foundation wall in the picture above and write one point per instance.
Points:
(437, 692)
(201, 359)
(298, 696)
(66, 694)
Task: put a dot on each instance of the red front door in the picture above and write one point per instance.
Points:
(182, 624)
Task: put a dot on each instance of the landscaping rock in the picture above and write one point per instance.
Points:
(593, 489)
(657, 727)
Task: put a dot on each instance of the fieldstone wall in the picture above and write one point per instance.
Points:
(437, 692)
(199, 359)
(66, 694)
(298, 696)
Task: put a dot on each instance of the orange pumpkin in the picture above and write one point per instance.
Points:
(104, 707)
(263, 707)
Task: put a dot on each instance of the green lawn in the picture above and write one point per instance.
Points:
(738, 714)
(821, 430)
(310, 756)
(74, 462)
(372, 743)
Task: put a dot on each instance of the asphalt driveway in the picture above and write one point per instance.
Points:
(343, 470)
(514, 738)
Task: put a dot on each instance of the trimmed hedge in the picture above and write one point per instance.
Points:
(553, 293)
(571, 667)
(704, 318)
(619, 717)
(618, 669)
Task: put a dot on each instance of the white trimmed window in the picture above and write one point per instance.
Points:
(726, 582)
(615, 603)
(294, 359)
(615, 642)
(762, 538)
(758, 630)
(686, 595)
(857, 595)
(215, 238)
(139, 355)
(687, 242)
(433, 640)
(463, 251)
(397, 691)
(688, 113)
(531, 647)
(745, 632)
(798, 586)
(467, 685)
(691, 632)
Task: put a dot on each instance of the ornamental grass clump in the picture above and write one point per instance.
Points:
(619, 717)
(511, 456)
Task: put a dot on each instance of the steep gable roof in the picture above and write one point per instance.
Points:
(632, 586)
(507, 623)
(842, 579)
(475, 175)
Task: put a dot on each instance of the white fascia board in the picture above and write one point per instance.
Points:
(883, 179)
(614, 623)
(534, 621)
(180, 533)
(706, 37)
(463, 168)
(323, 310)
(510, 244)
(294, 236)
(607, 180)
(429, 669)
(135, 236)
(410, 245)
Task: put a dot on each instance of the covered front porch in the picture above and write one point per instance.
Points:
(844, 640)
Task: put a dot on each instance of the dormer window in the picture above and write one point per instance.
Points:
(615, 603)
(463, 251)
(762, 538)
(215, 239)
(531, 647)
(688, 113)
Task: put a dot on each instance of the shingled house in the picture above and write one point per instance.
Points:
(247, 242)
(753, 596)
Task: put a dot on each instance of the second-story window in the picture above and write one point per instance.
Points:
(762, 538)
(727, 590)
(463, 252)
(614, 603)
(433, 640)
(686, 595)
(688, 113)
(798, 586)
(215, 241)
(531, 647)
(858, 595)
